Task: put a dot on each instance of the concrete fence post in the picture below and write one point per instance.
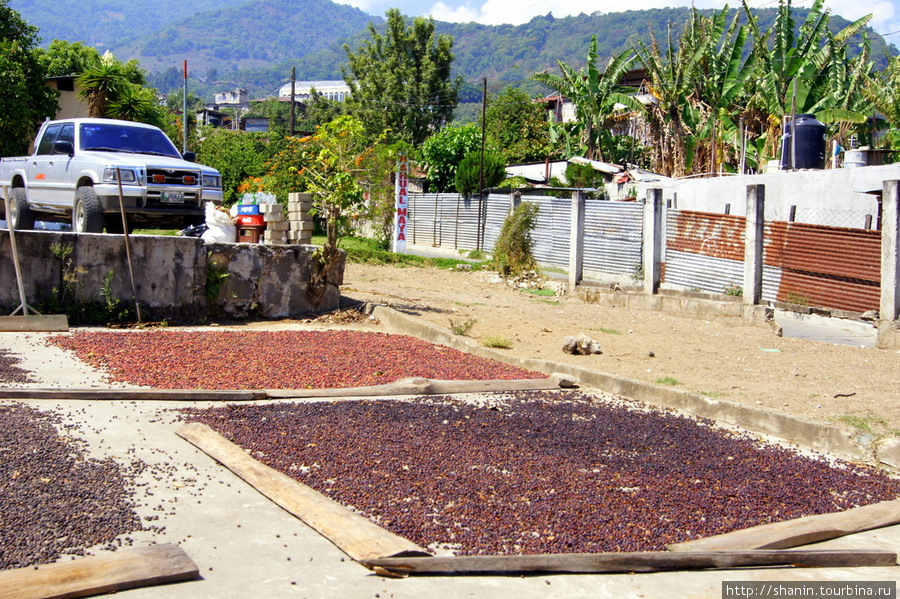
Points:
(753, 244)
(889, 308)
(653, 238)
(576, 241)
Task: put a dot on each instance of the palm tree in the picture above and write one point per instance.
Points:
(598, 96)
(101, 83)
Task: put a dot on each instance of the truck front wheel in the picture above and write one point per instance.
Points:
(20, 216)
(87, 217)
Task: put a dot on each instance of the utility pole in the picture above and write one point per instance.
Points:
(480, 235)
(293, 84)
(794, 127)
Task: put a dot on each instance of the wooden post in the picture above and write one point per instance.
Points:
(653, 240)
(753, 244)
(576, 241)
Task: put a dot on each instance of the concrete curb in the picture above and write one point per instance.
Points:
(843, 442)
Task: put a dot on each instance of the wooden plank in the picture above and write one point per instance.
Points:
(650, 561)
(423, 386)
(410, 386)
(50, 323)
(355, 535)
(134, 394)
(124, 569)
(800, 531)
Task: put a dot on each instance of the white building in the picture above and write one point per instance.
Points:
(329, 90)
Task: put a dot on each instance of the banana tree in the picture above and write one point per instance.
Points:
(598, 96)
(794, 67)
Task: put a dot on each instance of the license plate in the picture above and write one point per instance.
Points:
(172, 197)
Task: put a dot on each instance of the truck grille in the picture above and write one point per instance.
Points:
(169, 177)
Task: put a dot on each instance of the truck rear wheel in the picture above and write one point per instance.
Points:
(87, 217)
(20, 216)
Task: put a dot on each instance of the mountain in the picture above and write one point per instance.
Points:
(108, 23)
(254, 43)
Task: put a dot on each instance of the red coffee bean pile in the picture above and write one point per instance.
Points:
(275, 359)
(540, 472)
(54, 500)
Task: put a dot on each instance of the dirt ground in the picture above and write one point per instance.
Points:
(721, 358)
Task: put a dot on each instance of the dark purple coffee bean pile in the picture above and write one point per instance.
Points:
(53, 499)
(10, 371)
(540, 472)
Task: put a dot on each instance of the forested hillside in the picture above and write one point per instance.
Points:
(254, 44)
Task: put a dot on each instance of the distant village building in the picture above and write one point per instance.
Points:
(337, 91)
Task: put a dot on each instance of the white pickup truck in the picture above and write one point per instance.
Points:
(73, 176)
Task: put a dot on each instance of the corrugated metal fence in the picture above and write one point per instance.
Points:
(833, 267)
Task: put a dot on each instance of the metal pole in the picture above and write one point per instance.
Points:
(15, 254)
(137, 306)
(481, 167)
(794, 127)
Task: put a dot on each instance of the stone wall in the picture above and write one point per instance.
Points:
(170, 275)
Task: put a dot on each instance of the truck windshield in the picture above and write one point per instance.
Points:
(122, 138)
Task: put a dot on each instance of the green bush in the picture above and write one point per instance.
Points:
(469, 170)
(513, 251)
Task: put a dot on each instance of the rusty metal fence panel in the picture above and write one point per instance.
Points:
(703, 251)
(829, 266)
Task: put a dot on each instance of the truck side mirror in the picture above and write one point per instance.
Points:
(64, 147)
(190, 156)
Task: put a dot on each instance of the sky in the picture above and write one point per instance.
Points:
(885, 19)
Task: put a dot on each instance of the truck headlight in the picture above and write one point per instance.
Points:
(212, 181)
(128, 175)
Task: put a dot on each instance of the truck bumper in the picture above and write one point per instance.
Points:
(156, 202)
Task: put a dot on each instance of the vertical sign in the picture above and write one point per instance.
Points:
(184, 114)
(401, 216)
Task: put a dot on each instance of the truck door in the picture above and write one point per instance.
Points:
(39, 165)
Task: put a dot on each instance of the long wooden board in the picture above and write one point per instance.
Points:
(124, 569)
(423, 386)
(355, 535)
(50, 323)
(800, 531)
(410, 386)
(651, 561)
(134, 394)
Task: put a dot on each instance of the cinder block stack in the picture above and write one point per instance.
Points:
(301, 224)
(277, 227)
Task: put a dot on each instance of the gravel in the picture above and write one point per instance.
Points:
(540, 472)
(53, 499)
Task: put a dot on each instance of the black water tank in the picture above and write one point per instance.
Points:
(810, 145)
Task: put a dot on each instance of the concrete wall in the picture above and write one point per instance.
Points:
(816, 194)
(170, 275)
(272, 281)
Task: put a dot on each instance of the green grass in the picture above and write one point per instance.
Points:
(542, 292)
(462, 328)
(550, 302)
(497, 341)
(469, 304)
(166, 232)
(868, 424)
(607, 331)
(713, 393)
(668, 381)
(366, 251)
